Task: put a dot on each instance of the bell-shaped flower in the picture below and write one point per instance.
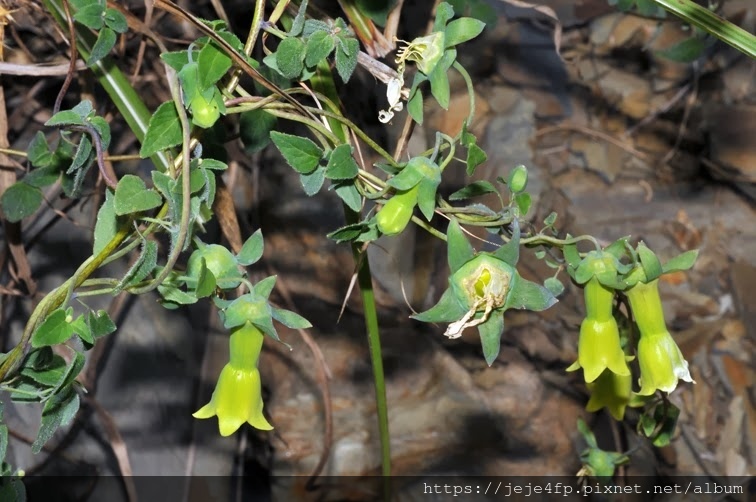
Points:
(237, 397)
(610, 391)
(660, 360)
(661, 363)
(599, 345)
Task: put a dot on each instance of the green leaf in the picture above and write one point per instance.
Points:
(212, 64)
(528, 295)
(20, 200)
(490, 336)
(459, 249)
(681, 262)
(55, 329)
(554, 285)
(252, 250)
(290, 57)
(550, 219)
(299, 20)
(448, 309)
(313, 182)
(106, 226)
(426, 197)
(651, 265)
(58, 412)
(319, 47)
(91, 16)
(254, 129)
(523, 202)
(116, 21)
(178, 59)
(668, 416)
(510, 252)
(474, 189)
(100, 324)
(475, 157)
(462, 30)
(38, 152)
(215, 165)
(349, 194)
(106, 39)
(290, 319)
(163, 131)
(83, 154)
(415, 105)
(49, 374)
(142, 267)
(65, 118)
(173, 294)
(348, 233)
(132, 196)
(206, 282)
(42, 177)
(341, 164)
(346, 57)
(685, 51)
(300, 153)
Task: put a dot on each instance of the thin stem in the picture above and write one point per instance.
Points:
(470, 90)
(370, 312)
(254, 31)
(55, 299)
(178, 246)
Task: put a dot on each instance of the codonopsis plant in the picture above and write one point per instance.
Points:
(628, 356)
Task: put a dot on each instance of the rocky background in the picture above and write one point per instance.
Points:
(619, 141)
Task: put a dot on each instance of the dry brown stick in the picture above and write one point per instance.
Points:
(593, 133)
(118, 445)
(71, 63)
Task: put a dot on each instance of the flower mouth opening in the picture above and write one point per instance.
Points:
(486, 291)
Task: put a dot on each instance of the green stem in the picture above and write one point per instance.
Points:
(55, 299)
(470, 90)
(178, 246)
(370, 312)
(703, 18)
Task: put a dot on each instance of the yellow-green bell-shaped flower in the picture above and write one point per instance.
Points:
(237, 397)
(660, 360)
(599, 344)
(610, 391)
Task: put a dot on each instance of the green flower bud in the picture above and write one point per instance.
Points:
(237, 397)
(660, 360)
(397, 212)
(518, 179)
(205, 112)
(218, 260)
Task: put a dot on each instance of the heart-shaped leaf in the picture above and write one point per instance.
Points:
(132, 196)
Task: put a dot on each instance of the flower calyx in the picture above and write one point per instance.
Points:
(482, 287)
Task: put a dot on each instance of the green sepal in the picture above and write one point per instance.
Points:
(510, 252)
(490, 336)
(650, 262)
(526, 294)
(448, 309)
(459, 249)
(681, 262)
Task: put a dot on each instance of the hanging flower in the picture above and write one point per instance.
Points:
(238, 394)
(660, 360)
(599, 345)
(610, 391)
